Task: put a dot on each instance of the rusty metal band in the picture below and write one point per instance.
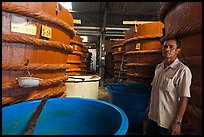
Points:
(143, 52)
(11, 38)
(17, 9)
(115, 53)
(73, 62)
(183, 31)
(117, 45)
(77, 53)
(34, 67)
(43, 83)
(156, 36)
(165, 7)
(140, 65)
(138, 75)
(76, 43)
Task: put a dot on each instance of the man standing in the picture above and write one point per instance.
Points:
(170, 92)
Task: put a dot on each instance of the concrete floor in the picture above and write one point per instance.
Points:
(102, 94)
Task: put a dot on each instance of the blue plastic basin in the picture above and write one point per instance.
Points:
(133, 98)
(66, 116)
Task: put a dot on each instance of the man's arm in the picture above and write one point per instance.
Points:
(181, 108)
(176, 125)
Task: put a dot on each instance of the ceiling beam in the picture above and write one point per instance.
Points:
(131, 14)
(88, 33)
(86, 28)
(121, 29)
(98, 33)
(115, 13)
(115, 35)
(83, 12)
(98, 28)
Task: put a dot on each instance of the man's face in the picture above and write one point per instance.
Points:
(169, 49)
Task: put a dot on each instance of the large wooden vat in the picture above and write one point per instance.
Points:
(84, 57)
(22, 50)
(109, 64)
(120, 70)
(143, 52)
(130, 33)
(89, 65)
(74, 58)
(184, 20)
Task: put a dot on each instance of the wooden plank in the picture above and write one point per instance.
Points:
(34, 117)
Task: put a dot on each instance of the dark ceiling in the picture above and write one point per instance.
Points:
(95, 16)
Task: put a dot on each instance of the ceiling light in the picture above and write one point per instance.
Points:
(75, 21)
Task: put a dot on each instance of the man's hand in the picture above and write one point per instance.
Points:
(175, 129)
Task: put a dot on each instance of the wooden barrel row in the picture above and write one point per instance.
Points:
(89, 64)
(85, 54)
(118, 52)
(143, 52)
(184, 21)
(25, 48)
(74, 58)
(109, 57)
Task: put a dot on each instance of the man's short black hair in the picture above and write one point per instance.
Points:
(178, 43)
